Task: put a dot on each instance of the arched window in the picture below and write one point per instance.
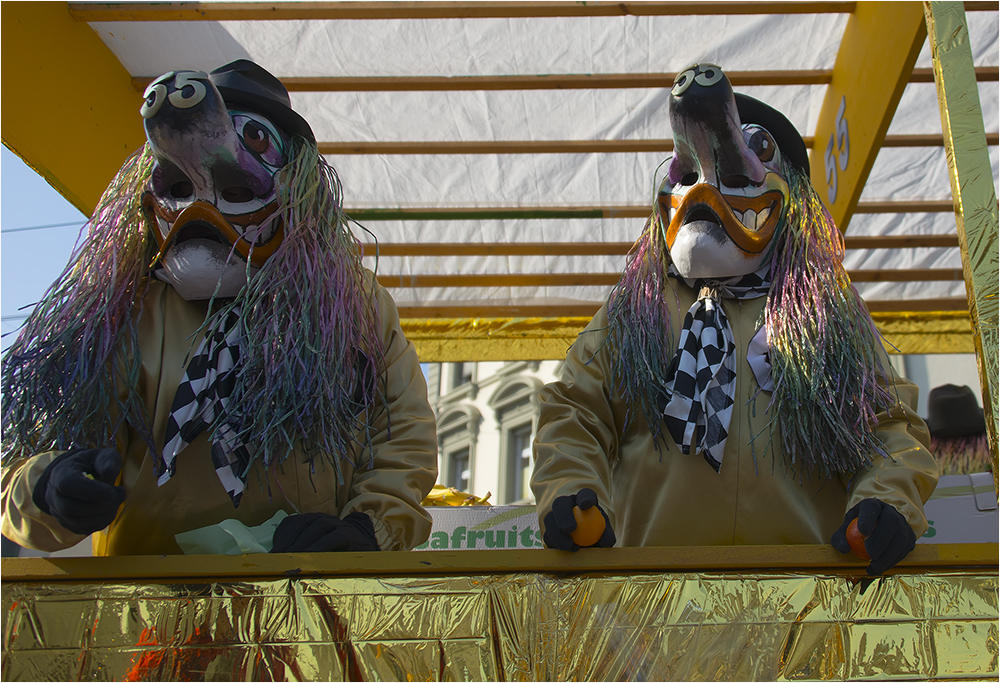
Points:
(515, 401)
(458, 432)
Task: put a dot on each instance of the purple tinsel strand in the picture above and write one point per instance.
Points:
(825, 355)
(56, 384)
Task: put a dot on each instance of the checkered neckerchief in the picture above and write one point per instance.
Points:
(701, 379)
(203, 394)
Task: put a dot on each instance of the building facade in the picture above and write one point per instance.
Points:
(487, 416)
(486, 419)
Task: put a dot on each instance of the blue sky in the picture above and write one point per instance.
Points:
(30, 259)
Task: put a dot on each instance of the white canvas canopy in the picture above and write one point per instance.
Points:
(505, 155)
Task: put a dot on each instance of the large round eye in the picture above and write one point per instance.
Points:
(256, 138)
(260, 137)
(760, 142)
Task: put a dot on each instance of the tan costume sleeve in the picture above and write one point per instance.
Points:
(577, 435)
(907, 479)
(23, 522)
(404, 446)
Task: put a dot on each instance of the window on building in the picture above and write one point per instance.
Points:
(462, 374)
(458, 433)
(458, 469)
(514, 402)
(519, 463)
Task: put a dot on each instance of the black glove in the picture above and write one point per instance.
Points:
(560, 522)
(318, 532)
(889, 536)
(83, 504)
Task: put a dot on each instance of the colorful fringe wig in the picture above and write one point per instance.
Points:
(962, 454)
(314, 334)
(824, 349)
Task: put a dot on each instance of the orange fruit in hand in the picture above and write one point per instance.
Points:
(856, 540)
(590, 526)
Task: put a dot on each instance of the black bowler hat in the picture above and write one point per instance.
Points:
(791, 144)
(250, 85)
(954, 411)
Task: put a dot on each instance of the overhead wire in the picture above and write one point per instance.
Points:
(42, 227)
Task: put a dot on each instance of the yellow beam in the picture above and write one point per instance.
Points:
(419, 249)
(202, 569)
(876, 57)
(974, 191)
(449, 340)
(560, 81)
(528, 81)
(661, 146)
(487, 213)
(69, 109)
(313, 11)
(404, 281)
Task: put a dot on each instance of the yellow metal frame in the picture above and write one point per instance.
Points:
(450, 340)
(874, 63)
(69, 109)
(82, 123)
(973, 190)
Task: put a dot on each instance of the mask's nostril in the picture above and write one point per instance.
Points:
(181, 190)
(238, 195)
(736, 181)
(689, 179)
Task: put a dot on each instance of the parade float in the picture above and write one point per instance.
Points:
(500, 249)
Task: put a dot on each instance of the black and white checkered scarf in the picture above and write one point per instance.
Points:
(701, 379)
(201, 398)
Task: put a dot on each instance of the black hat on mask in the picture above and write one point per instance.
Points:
(953, 411)
(791, 144)
(249, 85)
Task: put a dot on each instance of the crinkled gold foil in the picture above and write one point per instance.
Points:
(446, 340)
(746, 626)
(973, 189)
(926, 332)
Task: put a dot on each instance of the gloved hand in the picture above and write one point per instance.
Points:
(560, 522)
(889, 536)
(318, 532)
(83, 504)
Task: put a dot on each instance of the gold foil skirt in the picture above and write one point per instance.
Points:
(746, 626)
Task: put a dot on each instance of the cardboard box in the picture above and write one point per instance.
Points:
(962, 509)
(483, 527)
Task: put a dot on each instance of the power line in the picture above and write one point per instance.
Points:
(42, 227)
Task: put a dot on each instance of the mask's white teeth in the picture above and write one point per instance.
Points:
(748, 219)
(762, 216)
(251, 234)
(258, 234)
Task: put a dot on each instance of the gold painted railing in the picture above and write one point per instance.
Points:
(538, 335)
(723, 613)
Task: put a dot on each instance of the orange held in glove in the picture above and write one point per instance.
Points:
(856, 540)
(590, 526)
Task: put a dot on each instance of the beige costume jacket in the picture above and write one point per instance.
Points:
(660, 498)
(405, 466)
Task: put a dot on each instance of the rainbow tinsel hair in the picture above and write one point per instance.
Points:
(313, 332)
(962, 454)
(825, 352)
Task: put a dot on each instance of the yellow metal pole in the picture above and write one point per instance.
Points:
(973, 190)
(874, 63)
(69, 109)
